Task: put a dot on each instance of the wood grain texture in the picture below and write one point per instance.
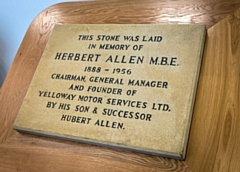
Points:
(214, 139)
(215, 133)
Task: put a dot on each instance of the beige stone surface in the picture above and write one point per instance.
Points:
(150, 82)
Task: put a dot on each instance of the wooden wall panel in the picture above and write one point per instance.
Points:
(215, 130)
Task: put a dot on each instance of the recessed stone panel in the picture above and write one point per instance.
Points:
(125, 86)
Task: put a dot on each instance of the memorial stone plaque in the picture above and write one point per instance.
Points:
(128, 86)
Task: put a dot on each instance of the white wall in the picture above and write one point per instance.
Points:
(15, 18)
